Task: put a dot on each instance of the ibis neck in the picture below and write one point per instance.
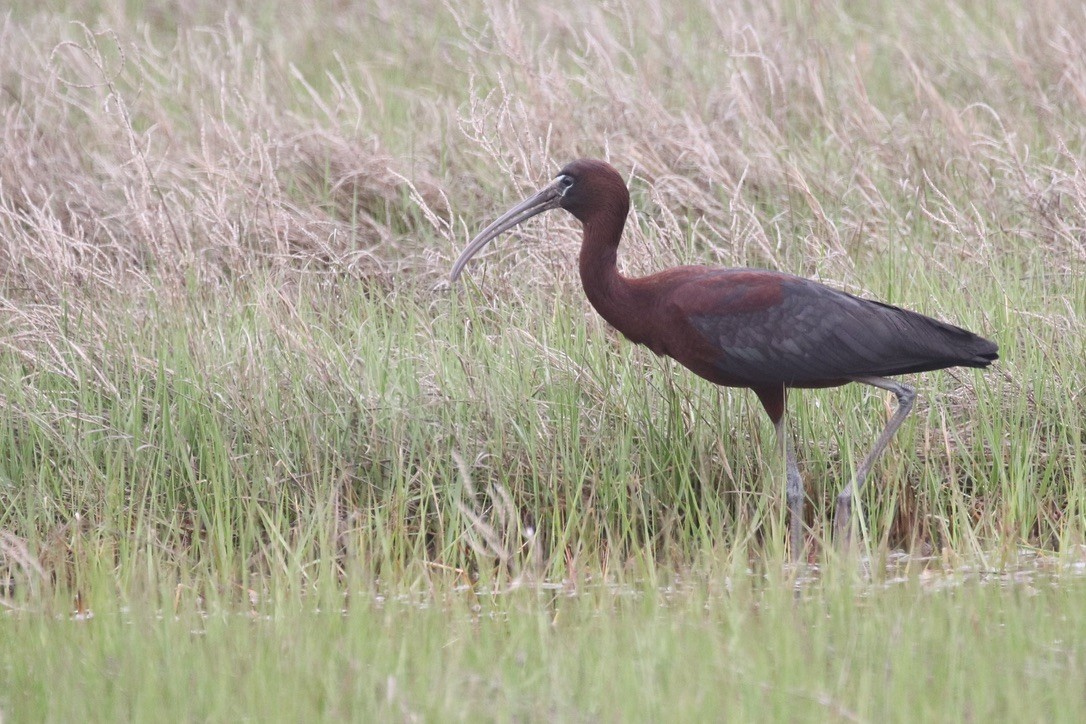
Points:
(607, 290)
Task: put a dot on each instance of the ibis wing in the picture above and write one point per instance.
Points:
(771, 328)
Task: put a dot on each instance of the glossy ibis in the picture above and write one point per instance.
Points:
(748, 327)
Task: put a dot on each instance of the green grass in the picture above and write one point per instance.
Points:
(706, 648)
(247, 426)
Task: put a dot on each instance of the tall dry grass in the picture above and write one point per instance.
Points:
(777, 134)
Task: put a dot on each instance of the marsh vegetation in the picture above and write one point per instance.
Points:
(257, 459)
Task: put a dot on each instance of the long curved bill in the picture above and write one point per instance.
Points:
(545, 199)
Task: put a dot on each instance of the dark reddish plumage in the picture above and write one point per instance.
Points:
(746, 327)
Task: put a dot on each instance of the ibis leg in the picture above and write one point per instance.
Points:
(793, 491)
(905, 397)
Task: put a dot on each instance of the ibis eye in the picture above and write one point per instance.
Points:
(565, 183)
